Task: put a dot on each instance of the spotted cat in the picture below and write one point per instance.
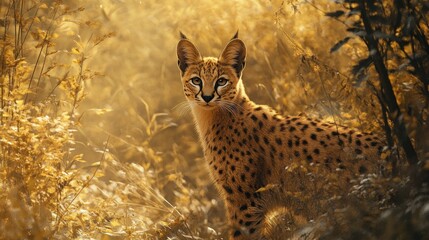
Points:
(260, 159)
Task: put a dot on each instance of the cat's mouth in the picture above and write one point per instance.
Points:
(207, 106)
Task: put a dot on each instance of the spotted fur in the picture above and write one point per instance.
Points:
(260, 159)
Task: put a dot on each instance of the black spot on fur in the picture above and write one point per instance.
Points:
(264, 116)
(304, 127)
(254, 118)
(266, 140)
(256, 138)
(243, 177)
(297, 142)
(362, 169)
(248, 195)
(243, 207)
(227, 189)
(296, 153)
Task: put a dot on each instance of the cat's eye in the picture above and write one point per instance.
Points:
(221, 82)
(196, 81)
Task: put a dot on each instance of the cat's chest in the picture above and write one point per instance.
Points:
(227, 133)
(229, 142)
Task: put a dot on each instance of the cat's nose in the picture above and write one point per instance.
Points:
(208, 98)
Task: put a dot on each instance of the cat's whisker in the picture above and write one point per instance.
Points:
(224, 108)
(233, 103)
(233, 106)
(183, 108)
(229, 107)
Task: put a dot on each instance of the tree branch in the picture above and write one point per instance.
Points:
(386, 88)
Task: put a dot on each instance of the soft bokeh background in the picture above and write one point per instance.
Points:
(125, 162)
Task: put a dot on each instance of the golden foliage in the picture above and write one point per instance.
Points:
(91, 144)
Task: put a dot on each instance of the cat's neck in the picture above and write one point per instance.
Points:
(206, 118)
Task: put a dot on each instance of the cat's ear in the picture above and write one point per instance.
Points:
(187, 54)
(234, 55)
(182, 36)
(235, 36)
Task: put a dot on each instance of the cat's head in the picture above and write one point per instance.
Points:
(211, 82)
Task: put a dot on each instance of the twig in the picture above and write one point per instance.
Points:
(86, 184)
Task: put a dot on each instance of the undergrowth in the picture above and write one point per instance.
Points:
(92, 145)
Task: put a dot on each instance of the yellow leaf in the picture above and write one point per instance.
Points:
(99, 174)
(267, 187)
(43, 6)
(19, 103)
(51, 190)
(115, 223)
(172, 177)
(346, 115)
(100, 111)
(75, 51)
(78, 158)
(95, 164)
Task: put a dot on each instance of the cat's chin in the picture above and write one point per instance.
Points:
(206, 107)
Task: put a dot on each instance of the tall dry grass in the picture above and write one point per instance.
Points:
(92, 144)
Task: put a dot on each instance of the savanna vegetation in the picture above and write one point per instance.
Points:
(93, 145)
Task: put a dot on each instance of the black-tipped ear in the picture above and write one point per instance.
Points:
(187, 54)
(182, 36)
(235, 35)
(234, 55)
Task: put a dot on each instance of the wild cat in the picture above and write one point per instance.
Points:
(260, 159)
